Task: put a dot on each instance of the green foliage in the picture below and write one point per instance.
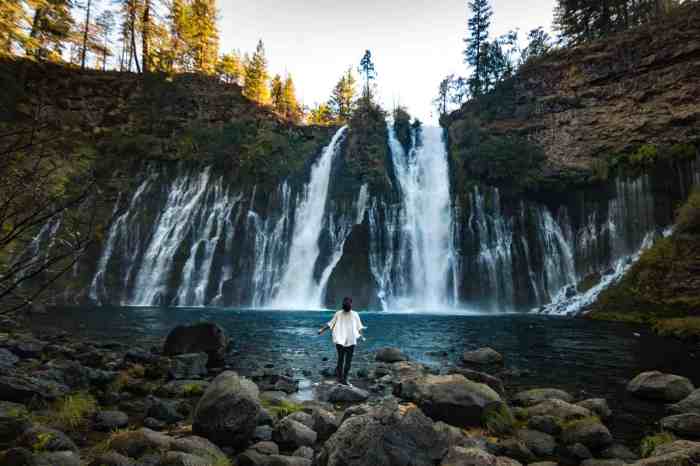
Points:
(645, 156)
(649, 443)
(475, 53)
(281, 408)
(402, 127)
(193, 390)
(573, 423)
(683, 328)
(498, 419)
(229, 68)
(368, 151)
(688, 219)
(72, 412)
(42, 442)
(342, 101)
(256, 76)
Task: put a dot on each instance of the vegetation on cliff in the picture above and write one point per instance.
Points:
(663, 287)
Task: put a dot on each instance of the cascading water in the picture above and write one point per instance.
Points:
(412, 254)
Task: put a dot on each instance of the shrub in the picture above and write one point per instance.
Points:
(281, 408)
(688, 219)
(498, 419)
(649, 443)
(645, 156)
(72, 412)
(683, 328)
(402, 127)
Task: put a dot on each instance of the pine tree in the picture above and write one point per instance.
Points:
(277, 94)
(539, 43)
(292, 109)
(13, 19)
(105, 25)
(51, 28)
(229, 68)
(443, 94)
(342, 101)
(256, 76)
(146, 36)
(86, 29)
(321, 115)
(475, 53)
(368, 71)
(177, 20)
(203, 36)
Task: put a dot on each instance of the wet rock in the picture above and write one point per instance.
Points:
(620, 452)
(390, 355)
(471, 456)
(202, 337)
(108, 421)
(538, 395)
(293, 434)
(588, 432)
(689, 404)
(603, 462)
(14, 419)
(266, 448)
(188, 366)
(684, 425)
(514, 448)
(574, 454)
(385, 435)
(112, 459)
(480, 377)
(325, 423)
(57, 458)
(304, 418)
(183, 388)
(227, 412)
(543, 463)
(598, 406)
(559, 409)
(163, 410)
(482, 356)
(46, 439)
(540, 444)
(18, 387)
(676, 445)
(264, 418)
(7, 359)
(450, 398)
(28, 348)
(547, 424)
(339, 393)
(655, 385)
(252, 457)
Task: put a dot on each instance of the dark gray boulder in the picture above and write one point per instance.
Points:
(7, 359)
(598, 406)
(280, 460)
(108, 421)
(292, 434)
(540, 444)
(588, 432)
(685, 425)
(57, 458)
(202, 337)
(227, 412)
(14, 419)
(619, 452)
(385, 435)
(163, 410)
(450, 398)
(49, 440)
(339, 393)
(538, 395)
(482, 356)
(188, 366)
(21, 388)
(547, 424)
(325, 423)
(689, 404)
(480, 377)
(655, 385)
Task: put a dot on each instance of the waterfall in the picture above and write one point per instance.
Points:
(299, 289)
(412, 254)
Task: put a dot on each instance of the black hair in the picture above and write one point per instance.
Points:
(347, 303)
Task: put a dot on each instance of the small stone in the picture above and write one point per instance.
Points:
(107, 421)
(292, 434)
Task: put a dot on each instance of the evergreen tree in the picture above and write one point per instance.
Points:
(51, 28)
(256, 76)
(229, 68)
(105, 25)
(539, 43)
(177, 19)
(146, 36)
(86, 28)
(475, 53)
(368, 71)
(292, 109)
(203, 35)
(277, 94)
(342, 101)
(321, 115)
(13, 18)
(443, 96)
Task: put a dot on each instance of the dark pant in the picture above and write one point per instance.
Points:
(344, 361)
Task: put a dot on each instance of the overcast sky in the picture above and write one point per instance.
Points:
(415, 43)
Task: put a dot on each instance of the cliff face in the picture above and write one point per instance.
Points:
(584, 105)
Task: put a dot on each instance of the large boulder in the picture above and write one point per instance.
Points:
(689, 404)
(685, 457)
(227, 412)
(143, 443)
(558, 409)
(202, 337)
(386, 435)
(480, 377)
(108, 421)
(471, 456)
(589, 432)
(450, 398)
(22, 388)
(684, 425)
(482, 356)
(655, 385)
(390, 355)
(325, 423)
(538, 395)
(45, 439)
(598, 406)
(540, 444)
(292, 434)
(339, 393)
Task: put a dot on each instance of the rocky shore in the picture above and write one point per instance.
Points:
(66, 401)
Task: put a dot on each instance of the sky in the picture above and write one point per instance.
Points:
(414, 43)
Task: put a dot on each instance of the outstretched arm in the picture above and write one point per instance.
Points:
(323, 329)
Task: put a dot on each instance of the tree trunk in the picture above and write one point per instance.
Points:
(146, 36)
(132, 28)
(85, 35)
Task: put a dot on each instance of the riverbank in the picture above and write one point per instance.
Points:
(430, 398)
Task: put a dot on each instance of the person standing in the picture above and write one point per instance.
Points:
(347, 328)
